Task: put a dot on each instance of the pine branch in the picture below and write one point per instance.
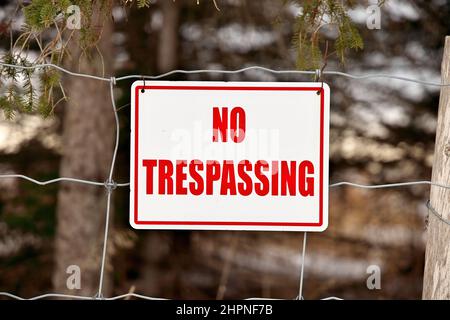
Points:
(307, 37)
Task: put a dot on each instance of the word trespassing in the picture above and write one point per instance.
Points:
(195, 177)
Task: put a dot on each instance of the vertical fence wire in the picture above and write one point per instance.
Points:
(110, 186)
(302, 268)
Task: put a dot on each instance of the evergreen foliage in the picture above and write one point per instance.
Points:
(143, 3)
(33, 90)
(315, 15)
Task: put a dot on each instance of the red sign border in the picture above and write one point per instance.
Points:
(228, 223)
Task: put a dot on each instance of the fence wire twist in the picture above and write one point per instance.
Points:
(110, 184)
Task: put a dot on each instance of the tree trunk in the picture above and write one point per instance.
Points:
(168, 38)
(88, 138)
(436, 282)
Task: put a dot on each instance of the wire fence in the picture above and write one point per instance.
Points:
(110, 184)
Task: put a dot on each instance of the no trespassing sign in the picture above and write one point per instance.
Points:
(229, 155)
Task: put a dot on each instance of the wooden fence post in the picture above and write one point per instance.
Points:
(436, 280)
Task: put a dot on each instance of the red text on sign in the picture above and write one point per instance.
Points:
(234, 125)
(195, 177)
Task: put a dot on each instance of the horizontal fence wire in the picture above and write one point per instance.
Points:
(389, 185)
(316, 72)
(62, 179)
(110, 184)
(122, 296)
(332, 185)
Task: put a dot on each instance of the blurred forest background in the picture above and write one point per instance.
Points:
(382, 131)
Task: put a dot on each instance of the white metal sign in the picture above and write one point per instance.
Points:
(229, 155)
